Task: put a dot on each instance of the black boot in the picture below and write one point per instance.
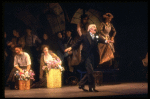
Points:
(93, 90)
(82, 87)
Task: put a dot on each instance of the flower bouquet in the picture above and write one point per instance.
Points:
(25, 75)
(55, 63)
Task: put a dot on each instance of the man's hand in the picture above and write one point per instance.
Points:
(21, 70)
(68, 49)
(69, 52)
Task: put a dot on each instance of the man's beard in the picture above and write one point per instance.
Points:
(18, 53)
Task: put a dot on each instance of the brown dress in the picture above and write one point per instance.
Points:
(42, 63)
(75, 58)
(42, 75)
(106, 51)
(76, 54)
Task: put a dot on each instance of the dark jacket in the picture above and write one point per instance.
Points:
(61, 46)
(89, 45)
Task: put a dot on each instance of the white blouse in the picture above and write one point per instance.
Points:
(48, 58)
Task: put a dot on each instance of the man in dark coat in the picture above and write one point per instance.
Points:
(89, 42)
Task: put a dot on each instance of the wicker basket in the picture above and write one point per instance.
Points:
(54, 79)
(21, 85)
(24, 85)
(27, 85)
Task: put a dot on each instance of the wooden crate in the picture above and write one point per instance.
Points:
(54, 79)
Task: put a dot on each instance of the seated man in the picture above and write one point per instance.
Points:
(21, 61)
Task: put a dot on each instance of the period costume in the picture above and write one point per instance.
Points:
(18, 40)
(43, 62)
(82, 28)
(31, 44)
(22, 60)
(11, 52)
(87, 57)
(68, 41)
(60, 49)
(107, 31)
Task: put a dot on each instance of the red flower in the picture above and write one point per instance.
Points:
(21, 73)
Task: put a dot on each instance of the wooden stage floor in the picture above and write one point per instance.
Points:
(111, 90)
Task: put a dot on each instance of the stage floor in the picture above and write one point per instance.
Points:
(123, 89)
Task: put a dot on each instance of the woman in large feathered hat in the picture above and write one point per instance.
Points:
(108, 32)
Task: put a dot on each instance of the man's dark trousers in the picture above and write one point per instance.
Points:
(89, 63)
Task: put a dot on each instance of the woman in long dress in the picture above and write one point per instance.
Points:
(46, 56)
(106, 51)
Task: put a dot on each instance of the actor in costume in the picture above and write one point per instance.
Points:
(108, 32)
(83, 25)
(32, 43)
(89, 43)
(21, 61)
(46, 57)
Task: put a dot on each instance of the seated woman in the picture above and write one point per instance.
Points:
(46, 58)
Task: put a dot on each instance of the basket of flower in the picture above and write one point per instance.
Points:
(53, 73)
(24, 79)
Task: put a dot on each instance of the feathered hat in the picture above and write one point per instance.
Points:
(108, 15)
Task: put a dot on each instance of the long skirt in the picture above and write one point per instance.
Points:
(74, 59)
(106, 53)
(42, 83)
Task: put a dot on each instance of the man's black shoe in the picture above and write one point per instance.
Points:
(93, 90)
(82, 87)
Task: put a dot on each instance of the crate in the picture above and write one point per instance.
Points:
(54, 79)
(24, 85)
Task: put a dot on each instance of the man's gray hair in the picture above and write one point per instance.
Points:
(90, 26)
